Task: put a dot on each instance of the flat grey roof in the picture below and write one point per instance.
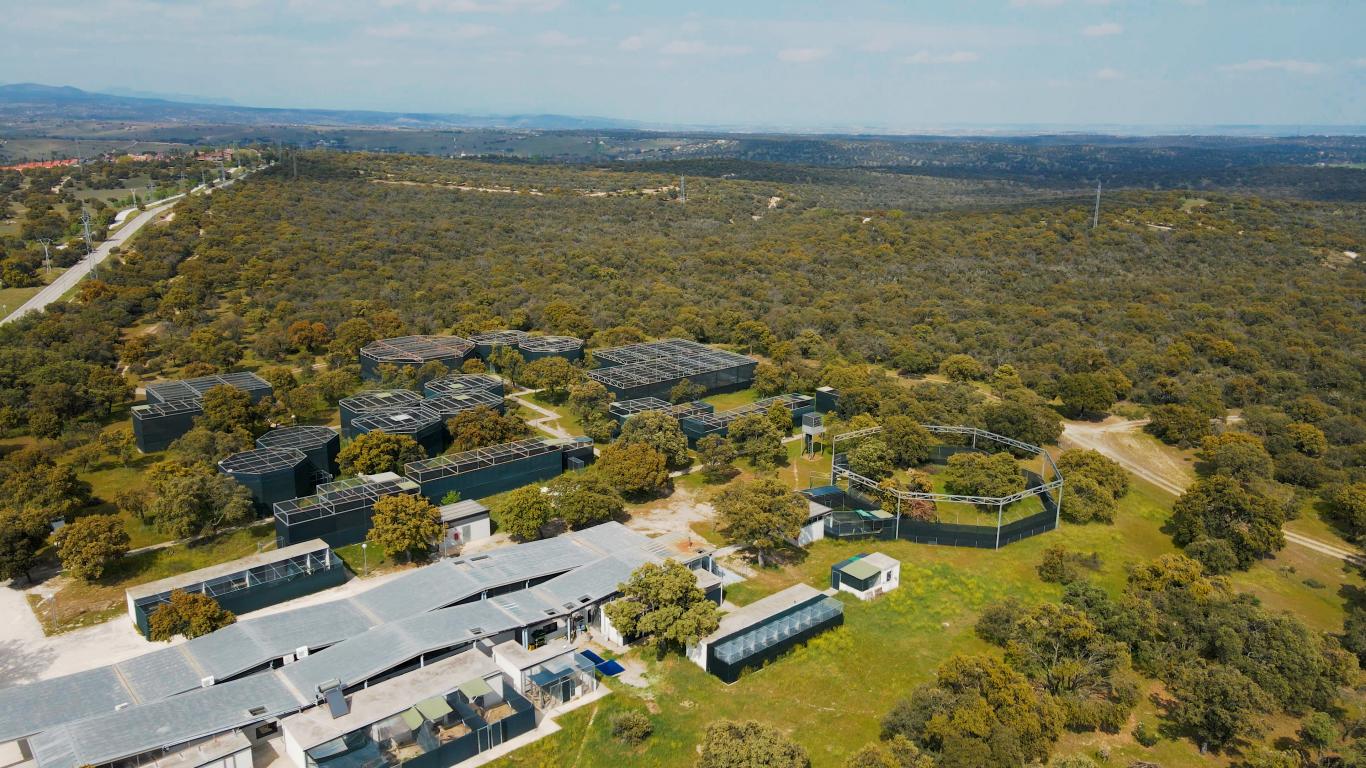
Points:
(762, 609)
(224, 569)
(370, 705)
(461, 510)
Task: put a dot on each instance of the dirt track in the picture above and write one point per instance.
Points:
(1125, 442)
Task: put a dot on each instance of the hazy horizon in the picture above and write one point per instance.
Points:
(878, 66)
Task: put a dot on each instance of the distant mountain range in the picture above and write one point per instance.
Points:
(32, 102)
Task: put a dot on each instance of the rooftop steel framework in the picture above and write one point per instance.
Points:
(453, 464)
(708, 423)
(415, 350)
(266, 568)
(624, 409)
(156, 410)
(449, 405)
(496, 338)
(398, 420)
(549, 344)
(341, 496)
(371, 400)
(194, 389)
(302, 437)
(664, 349)
(462, 383)
(262, 461)
(767, 634)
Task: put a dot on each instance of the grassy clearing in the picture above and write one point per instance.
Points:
(13, 298)
(78, 604)
(729, 400)
(566, 421)
(853, 675)
(369, 561)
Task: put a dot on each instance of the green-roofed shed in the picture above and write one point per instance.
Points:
(435, 708)
(866, 575)
(475, 688)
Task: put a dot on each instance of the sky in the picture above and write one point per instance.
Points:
(896, 66)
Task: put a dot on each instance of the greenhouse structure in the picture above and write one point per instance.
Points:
(194, 389)
(418, 421)
(271, 475)
(372, 400)
(339, 512)
(652, 368)
(485, 471)
(172, 406)
(462, 383)
(756, 634)
(247, 584)
(537, 347)
(320, 444)
(413, 352)
(625, 409)
(485, 343)
(700, 425)
(447, 406)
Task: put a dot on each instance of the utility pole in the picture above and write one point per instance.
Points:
(85, 228)
(1095, 215)
(47, 257)
(682, 189)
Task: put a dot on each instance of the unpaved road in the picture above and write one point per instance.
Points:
(1124, 442)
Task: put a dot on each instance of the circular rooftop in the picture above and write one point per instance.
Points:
(262, 461)
(417, 349)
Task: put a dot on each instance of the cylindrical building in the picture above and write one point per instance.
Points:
(485, 343)
(271, 474)
(320, 444)
(416, 421)
(537, 347)
(413, 352)
(372, 400)
(463, 383)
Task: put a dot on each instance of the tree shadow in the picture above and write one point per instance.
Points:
(21, 662)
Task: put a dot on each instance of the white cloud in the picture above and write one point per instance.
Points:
(1036, 3)
(802, 55)
(956, 57)
(1104, 29)
(632, 43)
(1294, 66)
(556, 39)
(1108, 73)
(1358, 62)
(405, 31)
(699, 48)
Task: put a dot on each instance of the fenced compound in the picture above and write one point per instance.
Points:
(463, 383)
(339, 512)
(370, 401)
(271, 474)
(758, 633)
(320, 444)
(625, 409)
(192, 389)
(413, 352)
(247, 584)
(418, 421)
(158, 424)
(447, 406)
(864, 509)
(537, 347)
(485, 471)
(485, 343)
(700, 425)
(651, 369)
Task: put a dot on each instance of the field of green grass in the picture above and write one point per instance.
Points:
(831, 694)
(13, 298)
(78, 604)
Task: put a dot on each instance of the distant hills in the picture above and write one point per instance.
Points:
(33, 102)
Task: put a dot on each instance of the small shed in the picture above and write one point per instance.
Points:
(866, 576)
(465, 521)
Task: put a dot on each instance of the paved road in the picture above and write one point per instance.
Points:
(68, 279)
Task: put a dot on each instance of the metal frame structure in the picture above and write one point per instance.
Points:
(974, 434)
(454, 464)
(320, 444)
(447, 406)
(260, 461)
(419, 421)
(370, 401)
(651, 368)
(537, 347)
(625, 409)
(486, 342)
(413, 351)
(157, 424)
(193, 389)
(700, 425)
(463, 383)
(355, 494)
